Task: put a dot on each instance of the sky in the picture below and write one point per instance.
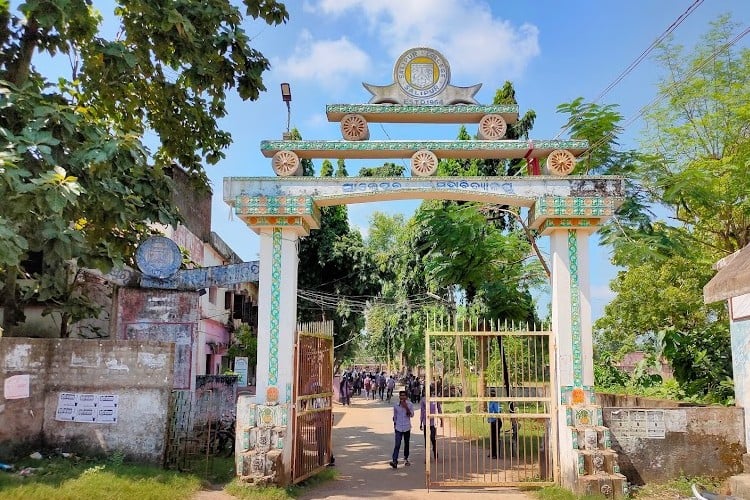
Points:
(552, 50)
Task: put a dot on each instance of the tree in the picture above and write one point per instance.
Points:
(326, 170)
(341, 169)
(84, 188)
(693, 169)
(388, 169)
(335, 263)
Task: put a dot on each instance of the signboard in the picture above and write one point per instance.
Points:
(89, 408)
(205, 277)
(240, 368)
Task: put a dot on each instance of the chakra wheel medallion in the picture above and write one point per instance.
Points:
(354, 127)
(424, 163)
(561, 162)
(285, 163)
(492, 128)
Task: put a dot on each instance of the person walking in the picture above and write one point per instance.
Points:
(381, 385)
(345, 390)
(435, 407)
(402, 413)
(495, 423)
(390, 385)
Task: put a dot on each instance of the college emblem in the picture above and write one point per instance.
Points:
(422, 73)
(422, 76)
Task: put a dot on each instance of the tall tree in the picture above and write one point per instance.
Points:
(326, 170)
(336, 265)
(341, 168)
(78, 141)
(689, 208)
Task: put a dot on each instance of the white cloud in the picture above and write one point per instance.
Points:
(330, 63)
(477, 44)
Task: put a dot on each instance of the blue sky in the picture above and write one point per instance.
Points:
(552, 50)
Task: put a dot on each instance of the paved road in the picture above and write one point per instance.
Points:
(362, 445)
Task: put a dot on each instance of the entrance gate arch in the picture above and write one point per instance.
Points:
(567, 209)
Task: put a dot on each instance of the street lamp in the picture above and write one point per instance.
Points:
(286, 96)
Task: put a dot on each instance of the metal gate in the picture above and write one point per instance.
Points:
(489, 394)
(313, 395)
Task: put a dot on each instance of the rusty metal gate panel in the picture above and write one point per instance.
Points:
(313, 396)
(469, 365)
(179, 430)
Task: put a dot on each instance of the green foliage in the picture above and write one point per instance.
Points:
(78, 183)
(693, 169)
(244, 344)
(600, 126)
(388, 169)
(676, 488)
(335, 261)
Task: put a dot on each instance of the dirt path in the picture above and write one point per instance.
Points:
(362, 445)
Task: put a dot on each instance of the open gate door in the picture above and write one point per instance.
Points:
(313, 397)
(491, 401)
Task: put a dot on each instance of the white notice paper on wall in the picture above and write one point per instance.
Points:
(17, 387)
(88, 408)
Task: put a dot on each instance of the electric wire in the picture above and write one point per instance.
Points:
(680, 19)
(669, 90)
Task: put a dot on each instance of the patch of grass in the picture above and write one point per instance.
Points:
(676, 488)
(558, 493)
(69, 479)
(215, 470)
(112, 479)
(250, 492)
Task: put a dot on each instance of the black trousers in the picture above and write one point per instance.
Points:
(433, 439)
(494, 436)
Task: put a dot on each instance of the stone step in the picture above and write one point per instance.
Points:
(608, 485)
(597, 462)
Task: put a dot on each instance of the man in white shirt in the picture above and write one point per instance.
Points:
(402, 413)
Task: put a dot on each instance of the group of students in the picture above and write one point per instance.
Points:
(374, 384)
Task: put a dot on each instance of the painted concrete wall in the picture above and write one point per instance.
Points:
(138, 373)
(655, 445)
(164, 316)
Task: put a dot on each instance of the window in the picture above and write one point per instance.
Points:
(212, 294)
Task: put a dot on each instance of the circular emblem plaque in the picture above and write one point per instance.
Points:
(158, 257)
(422, 72)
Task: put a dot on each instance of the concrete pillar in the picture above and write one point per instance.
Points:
(277, 314)
(265, 427)
(571, 325)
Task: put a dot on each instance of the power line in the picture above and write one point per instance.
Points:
(672, 87)
(643, 55)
